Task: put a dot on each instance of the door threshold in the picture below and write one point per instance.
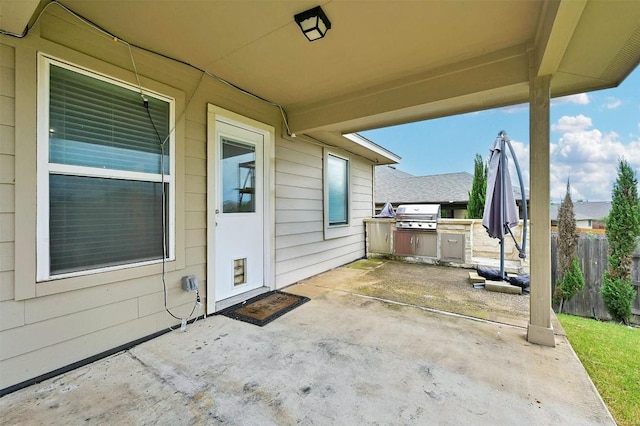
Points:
(234, 300)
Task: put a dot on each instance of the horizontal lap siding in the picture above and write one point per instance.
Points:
(195, 189)
(301, 250)
(44, 333)
(11, 312)
(41, 334)
(298, 205)
(42, 360)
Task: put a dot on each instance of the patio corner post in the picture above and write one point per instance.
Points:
(540, 330)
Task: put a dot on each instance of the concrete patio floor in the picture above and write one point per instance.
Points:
(346, 357)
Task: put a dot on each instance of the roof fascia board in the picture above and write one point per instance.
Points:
(556, 27)
(379, 156)
(371, 146)
(408, 99)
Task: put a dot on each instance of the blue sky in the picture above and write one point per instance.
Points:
(589, 132)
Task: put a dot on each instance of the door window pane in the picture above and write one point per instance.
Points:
(238, 177)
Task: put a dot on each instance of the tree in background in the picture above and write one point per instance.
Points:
(478, 193)
(567, 235)
(622, 229)
(570, 278)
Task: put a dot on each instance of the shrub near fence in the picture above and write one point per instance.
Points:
(592, 253)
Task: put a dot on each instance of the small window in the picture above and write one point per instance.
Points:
(338, 190)
(238, 176)
(105, 173)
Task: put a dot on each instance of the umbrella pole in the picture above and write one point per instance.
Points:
(502, 202)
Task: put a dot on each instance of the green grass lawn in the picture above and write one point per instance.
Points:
(611, 355)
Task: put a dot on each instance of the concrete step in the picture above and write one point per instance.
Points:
(502, 287)
(475, 278)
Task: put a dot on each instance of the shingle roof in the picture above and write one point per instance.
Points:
(585, 210)
(398, 187)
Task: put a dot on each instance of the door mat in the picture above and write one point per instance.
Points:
(264, 308)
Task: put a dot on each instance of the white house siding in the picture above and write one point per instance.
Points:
(301, 249)
(11, 313)
(46, 326)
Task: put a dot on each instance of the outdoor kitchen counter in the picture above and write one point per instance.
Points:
(460, 242)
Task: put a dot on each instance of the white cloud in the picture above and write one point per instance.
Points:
(612, 103)
(580, 99)
(587, 156)
(572, 124)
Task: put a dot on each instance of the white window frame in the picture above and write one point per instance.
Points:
(340, 229)
(45, 169)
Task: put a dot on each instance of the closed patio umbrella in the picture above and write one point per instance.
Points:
(500, 209)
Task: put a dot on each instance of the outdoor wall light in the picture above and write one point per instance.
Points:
(313, 23)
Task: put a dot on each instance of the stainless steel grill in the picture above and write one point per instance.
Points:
(418, 217)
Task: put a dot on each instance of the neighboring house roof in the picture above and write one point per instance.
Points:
(585, 210)
(398, 187)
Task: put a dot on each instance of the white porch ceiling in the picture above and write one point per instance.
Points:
(386, 62)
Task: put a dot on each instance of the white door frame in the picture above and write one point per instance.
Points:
(216, 114)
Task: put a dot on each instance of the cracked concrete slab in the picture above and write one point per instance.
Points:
(342, 358)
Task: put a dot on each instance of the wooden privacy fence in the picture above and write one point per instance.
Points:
(592, 254)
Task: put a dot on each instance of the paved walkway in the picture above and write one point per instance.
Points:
(340, 359)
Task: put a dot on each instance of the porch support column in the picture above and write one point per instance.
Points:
(540, 330)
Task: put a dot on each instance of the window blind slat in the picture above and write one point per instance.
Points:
(85, 110)
(96, 222)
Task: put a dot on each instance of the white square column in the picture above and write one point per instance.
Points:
(540, 330)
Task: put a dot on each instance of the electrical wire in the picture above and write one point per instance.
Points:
(164, 220)
(146, 105)
(115, 38)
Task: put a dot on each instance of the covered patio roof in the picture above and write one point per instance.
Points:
(381, 63)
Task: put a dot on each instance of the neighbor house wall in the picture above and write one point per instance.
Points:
(45, 326)
(586, 223)
(460, 214)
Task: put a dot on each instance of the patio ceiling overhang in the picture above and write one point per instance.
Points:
(381, 63)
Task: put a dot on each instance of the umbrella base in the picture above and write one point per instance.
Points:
(521, 282)
(502, 287)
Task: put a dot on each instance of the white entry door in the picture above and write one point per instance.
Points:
(239, 210)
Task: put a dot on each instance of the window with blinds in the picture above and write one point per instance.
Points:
(337, 176)
(106, 187)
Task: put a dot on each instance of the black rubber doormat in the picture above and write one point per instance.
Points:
(264, 308)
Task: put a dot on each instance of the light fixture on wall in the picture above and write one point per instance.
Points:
(313, 23)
